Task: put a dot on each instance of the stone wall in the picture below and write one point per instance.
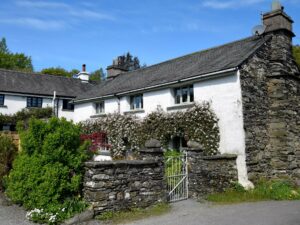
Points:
(210, 174)
(124, 184)
(270, 92)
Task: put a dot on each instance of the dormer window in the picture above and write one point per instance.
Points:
(136, 102)
(99, 107)
(2, 100)
(34, 102)
(184, 94)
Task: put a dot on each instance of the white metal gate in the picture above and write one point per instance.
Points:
(177, 177)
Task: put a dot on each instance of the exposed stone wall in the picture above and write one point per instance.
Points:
(209, 174)
(270, 93)
(124, 184)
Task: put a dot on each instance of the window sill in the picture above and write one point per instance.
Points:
(67, 110)
(181, 106)
(3, 106)
(32, 107)
(134, 111)
(98, 115)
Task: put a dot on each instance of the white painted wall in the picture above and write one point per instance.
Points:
(15, 103)
(224, 94)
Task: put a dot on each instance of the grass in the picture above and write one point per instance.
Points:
(133, 214)
(263, 191)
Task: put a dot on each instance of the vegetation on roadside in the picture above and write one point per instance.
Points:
(46, 177)
(8, 152)
(133, 214)
(264, 190)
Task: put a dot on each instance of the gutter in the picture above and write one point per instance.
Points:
(204, 76)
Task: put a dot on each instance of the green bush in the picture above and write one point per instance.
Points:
(48, 173)
(8, 151)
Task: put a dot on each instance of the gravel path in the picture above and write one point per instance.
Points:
(194, 213)
(11, 214)
(262, 213)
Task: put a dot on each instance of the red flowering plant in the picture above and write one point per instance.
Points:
(98, 141)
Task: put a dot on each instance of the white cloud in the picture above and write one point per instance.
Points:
(216, 4)
(35, 23)
(66, 9)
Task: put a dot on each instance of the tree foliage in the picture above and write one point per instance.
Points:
(14, 61)
(128, 62)
(296, 52)
(97, 75)
(58, 71)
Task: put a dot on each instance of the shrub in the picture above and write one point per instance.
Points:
(124, 131)
(8, 151)
(48, 172)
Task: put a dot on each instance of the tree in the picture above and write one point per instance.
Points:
(3, 46)
(14, 61)
(58, 71)
(97, 75)
(296, 52)
(128, 62)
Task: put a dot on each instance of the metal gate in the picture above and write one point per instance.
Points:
(177, 177)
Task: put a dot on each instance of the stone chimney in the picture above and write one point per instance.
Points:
(83, 75)
(116, 68)
(280, 27)
(278, 20)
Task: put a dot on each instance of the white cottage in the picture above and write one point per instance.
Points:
(247, 83)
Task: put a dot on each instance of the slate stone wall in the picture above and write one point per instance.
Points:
(209, 174)
(119, 185)
(270, 92)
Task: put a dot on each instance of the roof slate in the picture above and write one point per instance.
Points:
(199, 63)
(40, 84)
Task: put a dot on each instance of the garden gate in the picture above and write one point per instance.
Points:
(177, 177)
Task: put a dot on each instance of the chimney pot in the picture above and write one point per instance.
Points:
(83, 68)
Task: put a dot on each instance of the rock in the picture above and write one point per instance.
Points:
(152, 143)
(81, 217)
(194, 144)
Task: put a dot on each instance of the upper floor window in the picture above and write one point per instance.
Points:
(136, 102)
(184, 94)
(2, 100)
(34, 102)
(67, 105)
(99, 107)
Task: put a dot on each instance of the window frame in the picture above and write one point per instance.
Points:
(67, 106)
(34, 102)
(2, 99)
(133, 102)
(99, 107)
(179, 95)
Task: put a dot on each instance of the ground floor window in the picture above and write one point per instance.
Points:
(68, 105)
(34, 102)
(177, 143)
(99, 107)
(2, 100)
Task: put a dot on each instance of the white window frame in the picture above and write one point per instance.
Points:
(190, 89)
(99, 107)
(132, 102)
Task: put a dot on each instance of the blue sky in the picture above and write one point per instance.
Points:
(72, 32)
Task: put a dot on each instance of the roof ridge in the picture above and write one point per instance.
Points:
(191, 54)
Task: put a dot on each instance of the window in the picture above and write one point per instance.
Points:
(184, 94)
(2, 100)
(99, 107)
(136, 102)
(67, 105)
(34, 102)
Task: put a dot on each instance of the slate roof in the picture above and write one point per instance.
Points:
(40, 84)
(199, 63)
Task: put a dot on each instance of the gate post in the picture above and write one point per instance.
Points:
(153, 151)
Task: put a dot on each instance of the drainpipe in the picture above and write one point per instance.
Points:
(119, 105)
(53, 103)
